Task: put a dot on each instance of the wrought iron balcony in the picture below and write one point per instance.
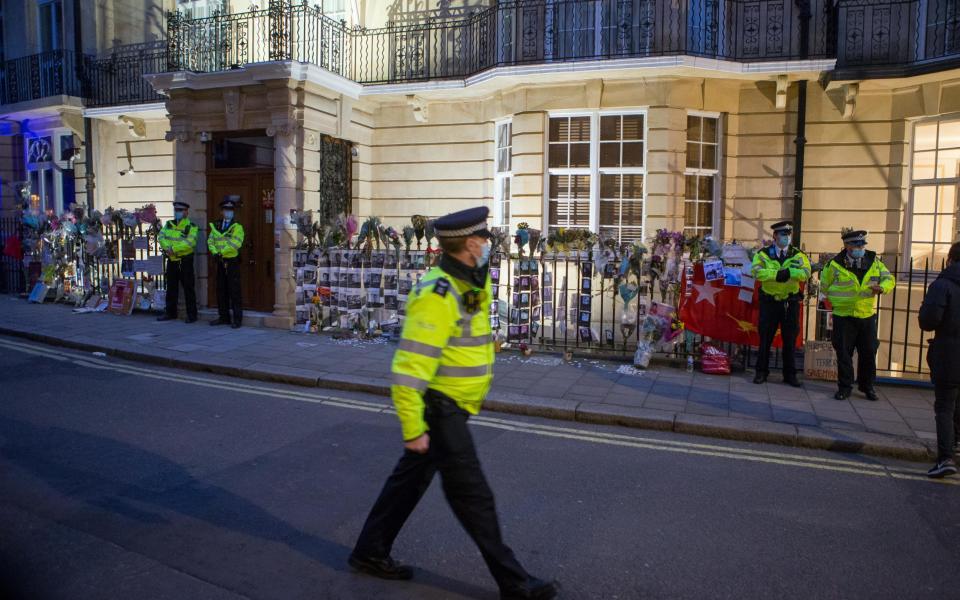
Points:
(896, 38)
(38, 76)
(117, 79)
(869, 38)
(509, 33)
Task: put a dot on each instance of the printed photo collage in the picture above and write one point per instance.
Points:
(525, 314)
(348, 282)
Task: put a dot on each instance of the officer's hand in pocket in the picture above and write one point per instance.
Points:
(419, 445)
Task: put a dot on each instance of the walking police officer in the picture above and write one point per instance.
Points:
(224, 242)
(852, 280)
(178, 239)
(441, 373)
(780, 268)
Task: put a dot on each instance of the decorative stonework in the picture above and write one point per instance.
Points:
(178, 136)
(419, 107)
(283, 129)
(233, 108)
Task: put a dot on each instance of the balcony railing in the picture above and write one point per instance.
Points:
(118, 80)
(869, 38)
(54, 73)
(891, 38)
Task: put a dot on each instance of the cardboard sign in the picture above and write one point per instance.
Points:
(121, 297)
(819, 361)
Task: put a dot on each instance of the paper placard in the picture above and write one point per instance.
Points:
(747, 281)
(713, 269)
(746, 295)
(121, 298)
(140, 242)
(732, 276)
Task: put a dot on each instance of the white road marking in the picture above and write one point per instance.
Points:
(596, 437)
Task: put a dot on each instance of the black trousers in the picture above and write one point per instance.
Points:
(946, 406)
(785, 315)
(180, 272)
(849, 334)
(453, 454)
(228, 290)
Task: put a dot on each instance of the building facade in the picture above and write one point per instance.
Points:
(624, 117)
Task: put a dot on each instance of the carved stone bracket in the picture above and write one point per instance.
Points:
(283, 129)
(178, 136)
(419, 107)
(233, 107)
(850, 93)
(782, 84)
(137, 127)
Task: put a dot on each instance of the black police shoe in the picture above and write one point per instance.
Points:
(842, 395)
(760, 378)
(535, 589)
(792, 382)
(942, 469)
(219, 322)
(235, 325)
(870, 393)
(165, 318)
(191, 319)
(384, 568)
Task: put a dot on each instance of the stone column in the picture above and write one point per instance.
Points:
(666, 156)
(190, 185)
(288, 195)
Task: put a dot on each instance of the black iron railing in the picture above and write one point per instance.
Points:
(12, 279)
(118, 79)
(54, 73)
(872, 38)
(880, 38)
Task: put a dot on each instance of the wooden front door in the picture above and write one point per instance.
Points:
(255, 188)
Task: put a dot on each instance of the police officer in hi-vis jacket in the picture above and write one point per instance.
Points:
(178, 239)
(224, 242)
(780, 268)
(442, 371)
(852, 280)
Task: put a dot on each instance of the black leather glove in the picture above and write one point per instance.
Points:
(783, 275)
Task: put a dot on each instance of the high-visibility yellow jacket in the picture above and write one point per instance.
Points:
(446, 345)
(852, 297)
(226, 244)
(180, 239)
(767, 267)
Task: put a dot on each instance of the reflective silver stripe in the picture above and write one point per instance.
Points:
(471, 341)
(420, 348)
(450, 371)
(843, 283)
(411, 382)
(831, 294)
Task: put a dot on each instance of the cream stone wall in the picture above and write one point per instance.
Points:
(153, 163)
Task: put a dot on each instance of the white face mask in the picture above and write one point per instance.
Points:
(484, 257)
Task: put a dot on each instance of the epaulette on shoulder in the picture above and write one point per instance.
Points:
(441, 287)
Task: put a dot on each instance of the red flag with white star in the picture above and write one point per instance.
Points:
(715, 310)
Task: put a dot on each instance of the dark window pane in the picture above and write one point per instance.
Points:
(610, 154)
(705, 188)
(631, 213)
(632, 127)
(709, 156)
(693, 128)
(608, 212)
(579, 129)
(609, 186)
(690, 214)
(693, 156)
(632, 187)
(579, 155)
(690, 182)
(710, 130)
(559, 130)
(631, 234)
(610, 127)
(705, 216)
(558, 155)
(633, 154)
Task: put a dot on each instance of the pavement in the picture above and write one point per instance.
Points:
(128, 481)
(662, 398)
